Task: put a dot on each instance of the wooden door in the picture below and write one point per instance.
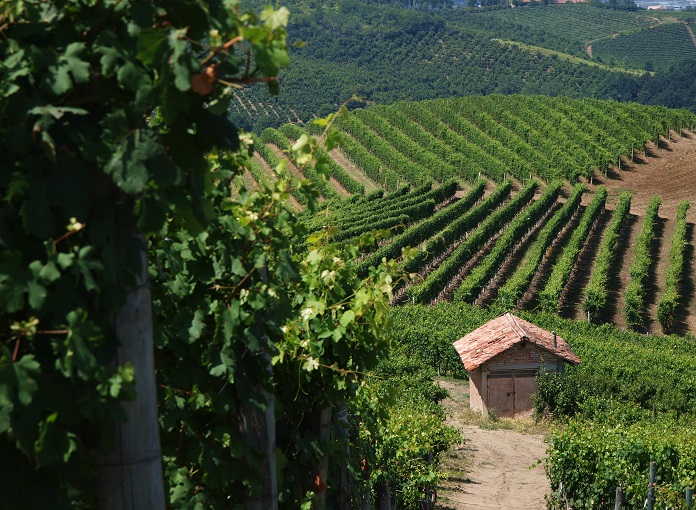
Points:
(501, 393)
(510, 391)
(525, 387)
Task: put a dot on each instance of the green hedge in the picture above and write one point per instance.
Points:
(672, 298)
(592, 459)
(550, 296)
(596, 292)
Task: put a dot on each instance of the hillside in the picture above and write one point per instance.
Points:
(385, 54)
(499, 242)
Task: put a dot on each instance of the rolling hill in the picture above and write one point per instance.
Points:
(483, 187)
(385, 54)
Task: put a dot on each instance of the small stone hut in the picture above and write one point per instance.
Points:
(502, 358)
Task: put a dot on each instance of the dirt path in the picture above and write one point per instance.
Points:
(352, 170)
(494, 469)
(268, 171)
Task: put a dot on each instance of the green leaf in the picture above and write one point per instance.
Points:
(14, 66)
(115, 386)
(49, 273)
(237, 267)
(55, 444)
(69, 69)
(12, 282)
(37, 294)
(74, 354)
(180, 486)
(115, 61)
(6, 408)
(181, 61)
(197, 326)
(65, 260)
(151, 42)
(333, 139)
(219, 370)
(56, 112)
(86, 264)
(20, 376)
(274, 19)
(128, 165)
(347, 318)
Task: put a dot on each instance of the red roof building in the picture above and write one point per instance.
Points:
(502, 358)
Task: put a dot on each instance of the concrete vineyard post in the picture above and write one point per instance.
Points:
(651, 489)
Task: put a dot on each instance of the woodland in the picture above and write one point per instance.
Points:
(237, 243)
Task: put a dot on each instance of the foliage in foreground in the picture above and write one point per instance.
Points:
(615, 449)
(404, 434)
(105, 116)
(116, 134)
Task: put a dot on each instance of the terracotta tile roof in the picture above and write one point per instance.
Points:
(503, 332)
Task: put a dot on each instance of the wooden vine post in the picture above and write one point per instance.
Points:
(618, 500)
(130, 472)
(689, 498)
(651, 489)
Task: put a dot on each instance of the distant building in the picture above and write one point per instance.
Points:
(503, 356)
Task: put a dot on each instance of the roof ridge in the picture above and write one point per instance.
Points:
(512, 321)
(524, 331)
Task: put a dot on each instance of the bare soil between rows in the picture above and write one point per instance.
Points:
(668, 171)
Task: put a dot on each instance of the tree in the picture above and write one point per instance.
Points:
(107, 110)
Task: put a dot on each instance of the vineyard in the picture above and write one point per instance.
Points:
(629, 401)
(659, 47)
(214, 298)
(567, 27)
(411, 55)
(474, 187)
